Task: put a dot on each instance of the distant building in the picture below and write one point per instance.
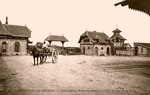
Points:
(14, 39)
(52, 38)
(142, 49)
(94, 43)
(72, 50)
(119, 47)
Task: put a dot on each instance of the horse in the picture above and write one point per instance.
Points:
(37, 53)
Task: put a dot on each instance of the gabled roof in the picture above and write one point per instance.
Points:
(147, 45)
(56, 38)
(114, 36)
(117, 30)
(14, 30)
(18, 31)
(102, 37)
(117, 34)
(139, 5)
(3, 30)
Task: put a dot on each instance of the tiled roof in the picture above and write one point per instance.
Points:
(19, 31)
(3, 30)
(117, 34)
(114, 36)
(116, 30)
(14, 30)
(56, 38)
(102, 37)
(139, 5)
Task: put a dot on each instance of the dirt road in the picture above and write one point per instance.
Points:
(75, 75)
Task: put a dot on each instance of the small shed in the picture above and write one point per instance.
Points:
(142, 49)
(52, 38)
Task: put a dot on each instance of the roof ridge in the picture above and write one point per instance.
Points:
(95, 32)
(56, 35)
(141, 43)
(14, 25)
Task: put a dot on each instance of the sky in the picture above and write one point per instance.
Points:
(72, 18)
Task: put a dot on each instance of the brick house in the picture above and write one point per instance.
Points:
(13, 39)
(94, 43)
(142, 49)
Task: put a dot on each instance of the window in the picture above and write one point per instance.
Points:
(4, 47)
(102, 48)
(117, 40)
(17, 46)
(88, 47)
(86, 40)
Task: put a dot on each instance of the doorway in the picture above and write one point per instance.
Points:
(108, 50)
(83, 50)
(96, 51)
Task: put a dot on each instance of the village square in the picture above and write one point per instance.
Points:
(102, 64)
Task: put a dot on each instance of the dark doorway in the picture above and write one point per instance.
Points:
(108, 51)
(136, 51)
(83, 50)
(4, 47)
(96, 50)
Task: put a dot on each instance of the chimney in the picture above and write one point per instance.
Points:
(6, 20)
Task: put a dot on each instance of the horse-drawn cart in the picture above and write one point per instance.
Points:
(53, 54)
(42, 53)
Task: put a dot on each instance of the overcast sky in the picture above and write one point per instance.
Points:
(73, 17)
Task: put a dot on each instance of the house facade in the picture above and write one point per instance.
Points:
(13, 39)
(142, 49)
(94, 43)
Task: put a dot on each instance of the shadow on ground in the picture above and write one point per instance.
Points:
(9, 85)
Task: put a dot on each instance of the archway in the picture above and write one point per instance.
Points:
(96, 50)
(107, 50)
(83, 50)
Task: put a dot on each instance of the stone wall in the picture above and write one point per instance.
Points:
(125, 52)
(102, 49)
(88, 49)
(91, 49)
(10, 43)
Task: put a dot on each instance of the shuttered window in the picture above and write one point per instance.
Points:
(4, 47)
(17, 46)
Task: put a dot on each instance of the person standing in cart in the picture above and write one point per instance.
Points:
(45, 46)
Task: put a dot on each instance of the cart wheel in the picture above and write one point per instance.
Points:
(44, 59)
(54, 56)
